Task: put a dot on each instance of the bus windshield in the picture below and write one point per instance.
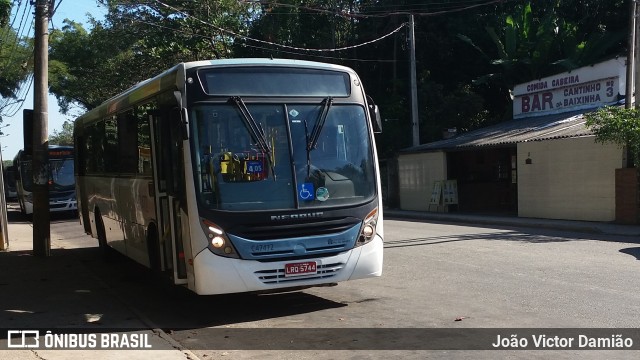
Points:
(62, 174)
(236, 173)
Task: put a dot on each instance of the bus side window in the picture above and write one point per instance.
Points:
(80, 165)
(94, 146)
(143, 142)
(110, 156)
(127, 146)
(176, 136)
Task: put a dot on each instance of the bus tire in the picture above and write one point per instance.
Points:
(102, 236)
(153, 247)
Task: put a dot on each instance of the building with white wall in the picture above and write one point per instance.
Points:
(544, 163)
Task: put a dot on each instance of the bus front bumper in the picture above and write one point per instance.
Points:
(219, 275)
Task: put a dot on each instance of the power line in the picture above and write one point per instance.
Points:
(18, 104)
(6, 106)
(19, 35)
(261, 47)
(230, 32)
(440, 12)
(448, 7)
(322, 56)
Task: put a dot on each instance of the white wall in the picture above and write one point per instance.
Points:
(416, 173)
(570, 179)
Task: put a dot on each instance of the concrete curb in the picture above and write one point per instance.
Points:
(564, 225)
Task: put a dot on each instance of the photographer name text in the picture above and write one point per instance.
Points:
(615, 341)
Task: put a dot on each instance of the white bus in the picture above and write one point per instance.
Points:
(237, 175)
(62, 194)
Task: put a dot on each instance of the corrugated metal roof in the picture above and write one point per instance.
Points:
(556, 126)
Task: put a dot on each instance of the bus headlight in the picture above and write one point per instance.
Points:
(368, 230)
(217, 240)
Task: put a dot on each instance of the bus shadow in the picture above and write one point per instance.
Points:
(170, 306)
(77, 288)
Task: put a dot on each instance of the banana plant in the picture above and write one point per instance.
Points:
(528, 47)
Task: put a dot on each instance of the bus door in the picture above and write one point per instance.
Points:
(166, 151)
(81, 186)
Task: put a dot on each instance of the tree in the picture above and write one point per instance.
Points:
(64, 136)
(15, 65)
(301, 25)
(86, 68)
(618, 125)
(518, 42)
(5, 12)
(531, 42)
(137, 40)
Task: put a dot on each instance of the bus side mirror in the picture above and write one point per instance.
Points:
(183, 122)
(376, 120)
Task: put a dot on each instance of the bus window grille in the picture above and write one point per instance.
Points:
(285, 231)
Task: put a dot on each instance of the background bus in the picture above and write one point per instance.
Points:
(62, 194)
(237, 175)
(9, 176)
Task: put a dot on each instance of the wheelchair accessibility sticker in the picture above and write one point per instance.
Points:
(306, 191)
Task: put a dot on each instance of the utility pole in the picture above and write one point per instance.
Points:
(630, 55)
(40, 162)
(4, 235)
(414, 85)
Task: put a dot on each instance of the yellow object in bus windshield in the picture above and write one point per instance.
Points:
(244, 166)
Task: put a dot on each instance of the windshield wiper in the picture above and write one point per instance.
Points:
(312, 142)
(255, 129)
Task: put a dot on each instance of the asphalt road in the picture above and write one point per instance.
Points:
(436, 276)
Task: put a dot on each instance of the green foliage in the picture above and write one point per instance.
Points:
(86, 68)
(5, 12)
(64, 136)
(15, 62)
(467, 61)
(292, 23)
(137, 40)
(522, 42)
(530, 47)
(617, 125)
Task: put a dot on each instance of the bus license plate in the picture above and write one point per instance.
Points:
(301, 268)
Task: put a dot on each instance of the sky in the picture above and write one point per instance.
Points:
(12, 139)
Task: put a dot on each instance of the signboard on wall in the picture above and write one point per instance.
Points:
(436, 193)
(444, 193)
(450, 192)
(583, 88)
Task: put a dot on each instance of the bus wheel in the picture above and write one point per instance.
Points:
(102, 236)
(153, 247)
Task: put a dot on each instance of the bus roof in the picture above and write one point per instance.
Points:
(170, 79)
(53, 147)
(265, 61)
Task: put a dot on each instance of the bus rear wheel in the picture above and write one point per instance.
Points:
(153, 247)
(102, 236)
